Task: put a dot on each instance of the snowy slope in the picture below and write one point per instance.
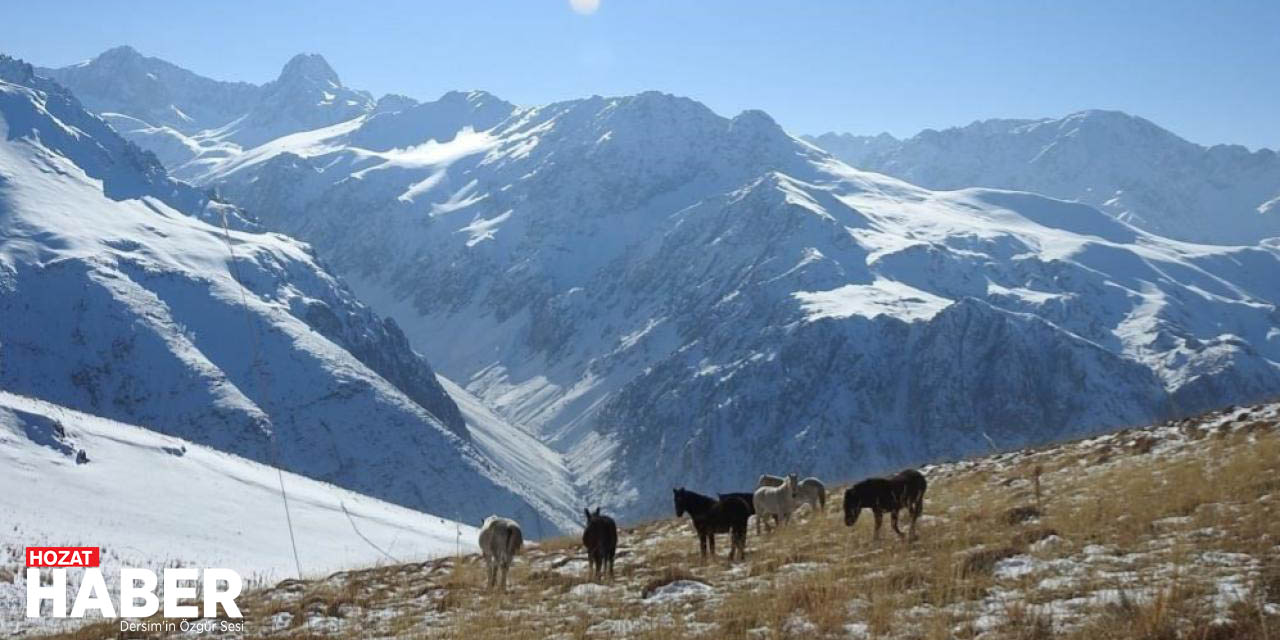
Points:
(1124, 165)
(119, 305)
(152, 500)
(536, 471)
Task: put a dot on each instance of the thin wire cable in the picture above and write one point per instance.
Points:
(271, 437)
(362, 536)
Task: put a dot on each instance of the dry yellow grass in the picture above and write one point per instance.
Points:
(1170, 532)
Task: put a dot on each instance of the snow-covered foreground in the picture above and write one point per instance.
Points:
(151, 500)
(1173, 528)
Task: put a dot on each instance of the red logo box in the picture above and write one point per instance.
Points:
(62, 557)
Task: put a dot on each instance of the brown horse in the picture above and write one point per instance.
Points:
(903, 491)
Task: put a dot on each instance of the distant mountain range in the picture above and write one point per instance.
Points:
(187, 119)
(1124, 165)
(665, 296)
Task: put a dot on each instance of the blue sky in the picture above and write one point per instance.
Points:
(1209, 71)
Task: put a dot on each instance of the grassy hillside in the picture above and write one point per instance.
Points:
(1167, 532)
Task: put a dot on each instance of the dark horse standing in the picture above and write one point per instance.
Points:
(902, 491)
(600, 537)
(748, 498)
(711, 516)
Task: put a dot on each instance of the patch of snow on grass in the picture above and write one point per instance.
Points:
(678, 591)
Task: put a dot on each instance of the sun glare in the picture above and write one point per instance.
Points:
(584, 7)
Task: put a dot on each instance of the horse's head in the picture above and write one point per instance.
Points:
(793, 484)
(680, 507)
(852, 507)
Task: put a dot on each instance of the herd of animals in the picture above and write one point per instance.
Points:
(775, 497)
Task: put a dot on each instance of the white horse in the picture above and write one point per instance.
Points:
(813, 492)
(778, 502)
(500, 541)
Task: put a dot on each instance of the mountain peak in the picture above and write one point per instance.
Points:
(15, 70)
(310, 68)
(392, 102)
(122, 52)
(756, 119)
(1103, 114)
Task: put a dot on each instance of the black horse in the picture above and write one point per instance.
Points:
(903, 491)
(600, 537)
(711, 516)
(749, 498)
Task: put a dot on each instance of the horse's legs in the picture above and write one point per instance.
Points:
(711, 544)
(493, 573)
(879, 519)
(505, 566)
(702, 543)
(916, 509)
(893, 520)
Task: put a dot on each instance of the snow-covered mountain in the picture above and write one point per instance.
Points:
(118, 303)
(673, 297)
(189, 120)
(134, 492)
(1121, 164)
(670, 297)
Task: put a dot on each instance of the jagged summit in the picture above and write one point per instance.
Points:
(393, 102)
(310, 68)
(121, 52)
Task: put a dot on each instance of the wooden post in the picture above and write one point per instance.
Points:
(1038, 470)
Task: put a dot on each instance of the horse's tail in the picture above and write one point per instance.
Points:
(917, 505)
(515, 539)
